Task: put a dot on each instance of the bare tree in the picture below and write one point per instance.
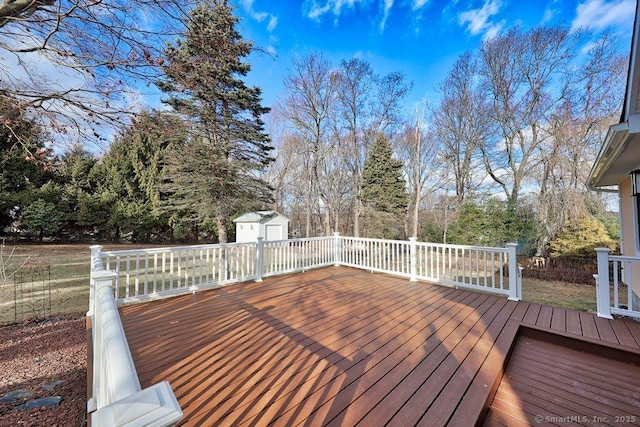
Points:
(310, 96)
(417, 148)
(356, 81)
(369, 105)
(461, 123)
(79, 65)
(577, 128)
(526, 76)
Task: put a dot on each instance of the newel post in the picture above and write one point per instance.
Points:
(413, 249)
(603, 298)
(336, 249)
(515, 283)
(96, 264)
(259, 259)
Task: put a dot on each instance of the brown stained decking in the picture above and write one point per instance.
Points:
(340, 346)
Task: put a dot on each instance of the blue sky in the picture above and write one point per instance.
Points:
(421, 38)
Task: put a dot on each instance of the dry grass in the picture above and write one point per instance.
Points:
(69, 275)
(559, 294)
(70, 281)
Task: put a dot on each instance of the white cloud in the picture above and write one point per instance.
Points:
(247, 5)
(388, 4)
(479, 21)
(552, 10)
(315, 11)
(418, 4)
(601, 14)
(273, 23)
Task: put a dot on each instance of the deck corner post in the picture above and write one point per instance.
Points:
(603, 299)
(96, 264)
(259, 259)
(336, 249)
(515, 283)
(413, 249)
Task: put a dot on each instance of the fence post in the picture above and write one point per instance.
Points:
(515, 285)
(336, 249)
(413, 249)
(259, 259)
(603, 298)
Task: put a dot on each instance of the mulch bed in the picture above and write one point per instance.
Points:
(44, 358)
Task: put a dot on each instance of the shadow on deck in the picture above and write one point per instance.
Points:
(340, 346)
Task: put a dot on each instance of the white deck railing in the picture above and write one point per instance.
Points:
(479, 268)
(289, 256)
(117, 398)
(613, 285)
(144, 274)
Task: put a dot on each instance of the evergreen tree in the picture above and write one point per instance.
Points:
(580, 238)
(77, 192)
(214, 173)
(25, 163)
(42, 218)
(384, 191)
(132, 172)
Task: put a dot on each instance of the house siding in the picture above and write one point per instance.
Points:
(630, 231)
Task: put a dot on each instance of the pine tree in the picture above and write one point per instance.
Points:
(132, 170)
(384, 191)
(204, 81)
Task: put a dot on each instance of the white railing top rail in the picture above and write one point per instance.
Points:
(299, 239)
(624, 258)
(117, 398)
(370, 239)
(467, 247)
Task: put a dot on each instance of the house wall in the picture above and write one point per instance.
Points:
(629, 225)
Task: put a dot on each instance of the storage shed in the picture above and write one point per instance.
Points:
(270, 225)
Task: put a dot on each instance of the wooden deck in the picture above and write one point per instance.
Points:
(340, 346)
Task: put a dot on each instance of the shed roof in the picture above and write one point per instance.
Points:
(259, 216)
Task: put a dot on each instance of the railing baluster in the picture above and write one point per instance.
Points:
(178, 269)
(171, 269)
(629, 290)
(616, 290)
(146, 274)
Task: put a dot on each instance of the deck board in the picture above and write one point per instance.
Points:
(340, 346)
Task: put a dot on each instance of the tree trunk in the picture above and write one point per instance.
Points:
(222, 229)
(416, 213)
(356, 218)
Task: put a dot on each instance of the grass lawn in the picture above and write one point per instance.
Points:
(68, 269)
(69, 283)
(559, 294)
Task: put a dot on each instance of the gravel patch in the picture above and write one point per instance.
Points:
(44, 359)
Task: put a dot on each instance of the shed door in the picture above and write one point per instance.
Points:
(273, 232)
